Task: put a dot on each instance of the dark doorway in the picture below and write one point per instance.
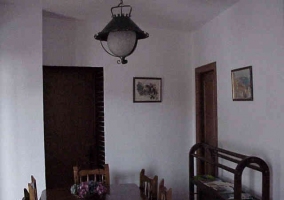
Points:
(73, 121)
(206, 112)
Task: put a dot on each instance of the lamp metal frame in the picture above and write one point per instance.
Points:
(121, 22)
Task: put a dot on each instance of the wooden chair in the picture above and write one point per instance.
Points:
(164, 194)
(32, 189)
(26, 195)
(148, 186)
(101, 175)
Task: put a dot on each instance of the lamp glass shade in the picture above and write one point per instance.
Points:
(121, 43)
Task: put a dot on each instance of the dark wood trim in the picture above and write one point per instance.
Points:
(199, 71)
(98, 77)
(99, 99)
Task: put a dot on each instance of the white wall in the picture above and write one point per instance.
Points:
(154, 136)
(249, 33)
(21, 110)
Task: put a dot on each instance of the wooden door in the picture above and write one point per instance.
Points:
(69, 122)
(206, 112)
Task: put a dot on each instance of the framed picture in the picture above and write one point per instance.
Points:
(242, 88)
(147, 90)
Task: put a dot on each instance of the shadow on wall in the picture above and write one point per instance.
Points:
(126, 177)
(119, 177)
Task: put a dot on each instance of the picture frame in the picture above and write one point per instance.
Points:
(242, 84)
(147, 90)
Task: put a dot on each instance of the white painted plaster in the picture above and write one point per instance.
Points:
(175, 15)
(21, 109)
(249, 34)
(153, 136)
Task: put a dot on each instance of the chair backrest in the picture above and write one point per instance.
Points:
(26, 195)
(32, 189)
(148, 186)
(164, 194)
(100, 175)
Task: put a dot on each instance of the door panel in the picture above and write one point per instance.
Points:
(69, 122)
(206, 113)
(208, 109)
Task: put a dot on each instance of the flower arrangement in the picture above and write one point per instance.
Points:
(86, 189)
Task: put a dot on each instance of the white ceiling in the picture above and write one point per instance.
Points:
(169, 14)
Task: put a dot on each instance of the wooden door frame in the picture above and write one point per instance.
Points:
(198, 73)
(95, 149)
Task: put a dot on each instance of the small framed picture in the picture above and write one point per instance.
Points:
(147, 90)
(242, 87)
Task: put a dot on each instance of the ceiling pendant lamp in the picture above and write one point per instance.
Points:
(121, 33)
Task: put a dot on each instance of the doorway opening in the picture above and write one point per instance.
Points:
(206, 113)
(73, 121)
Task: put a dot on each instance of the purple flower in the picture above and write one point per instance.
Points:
(101, 189)
(88, 188)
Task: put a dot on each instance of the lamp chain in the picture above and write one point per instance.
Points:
(120, 5)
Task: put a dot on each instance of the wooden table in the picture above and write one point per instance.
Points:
(117, 192)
